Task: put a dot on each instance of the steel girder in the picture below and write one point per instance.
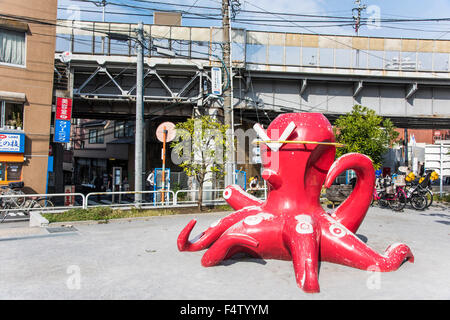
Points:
(117, 84)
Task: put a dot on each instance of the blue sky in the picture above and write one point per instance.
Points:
(387, 9)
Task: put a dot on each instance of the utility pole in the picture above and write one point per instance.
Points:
(139, 136)
(227, 94)
(102, 4)
(406, 147)
(103, 19)
(357, 19)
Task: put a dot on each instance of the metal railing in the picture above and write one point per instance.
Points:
(257, 191)
(210, 196)
(121, 199)
(23, 204)
(260, 47)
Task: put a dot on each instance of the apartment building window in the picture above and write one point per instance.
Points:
(11, 115)
(96, 136)
(12, 47)
(123, 129)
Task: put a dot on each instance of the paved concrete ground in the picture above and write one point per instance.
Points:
(139, 260)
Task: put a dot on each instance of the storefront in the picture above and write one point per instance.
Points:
(86, 169)
(12, 146)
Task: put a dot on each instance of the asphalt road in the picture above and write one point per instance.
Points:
(140, 260)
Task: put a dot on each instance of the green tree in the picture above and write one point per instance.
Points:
(200, 149)
(363, 131)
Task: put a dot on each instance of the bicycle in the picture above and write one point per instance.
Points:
(417, 200)
(414, 195)
(423, 186)
(386, 195)
(20, 204)
(26, 206)
(13, 188)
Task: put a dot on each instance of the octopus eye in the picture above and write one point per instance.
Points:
(253, 220)
(337, 231)
(304, 228)
(227, 193)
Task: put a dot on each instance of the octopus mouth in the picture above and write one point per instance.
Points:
(336, 144)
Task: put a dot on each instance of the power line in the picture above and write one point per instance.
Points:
(131, 38)
(241, 10)
(149, 8)
(127, 14)
(282, 22)
(251, 22)
(218, 16)
(104, 31)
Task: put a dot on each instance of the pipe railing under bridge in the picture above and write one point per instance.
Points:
(253, 48)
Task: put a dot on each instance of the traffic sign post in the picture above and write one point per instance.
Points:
(165, 133)
(164, 163)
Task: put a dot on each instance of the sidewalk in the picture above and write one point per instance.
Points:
(140, 260)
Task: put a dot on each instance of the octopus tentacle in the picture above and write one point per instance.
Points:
(212, 233)
(339, 245)
(238, 199)
(353, 210)
(303, 239)
(221, 247)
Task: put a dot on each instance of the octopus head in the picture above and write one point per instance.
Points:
(297, 161)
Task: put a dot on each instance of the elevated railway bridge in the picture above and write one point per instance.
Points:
(407, 80)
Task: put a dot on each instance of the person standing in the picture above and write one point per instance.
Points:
(98, 182)
(125, 184)
(421, 169)
(109, 187)
(254, 183)
(151, 184)
(110, 183)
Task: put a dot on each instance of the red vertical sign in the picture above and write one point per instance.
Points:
(63, 109)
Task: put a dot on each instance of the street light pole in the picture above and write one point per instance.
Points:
(139, 136)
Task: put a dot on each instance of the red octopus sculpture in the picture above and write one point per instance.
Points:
(291, 224)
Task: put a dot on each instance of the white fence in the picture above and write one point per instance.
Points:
(20, 205)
